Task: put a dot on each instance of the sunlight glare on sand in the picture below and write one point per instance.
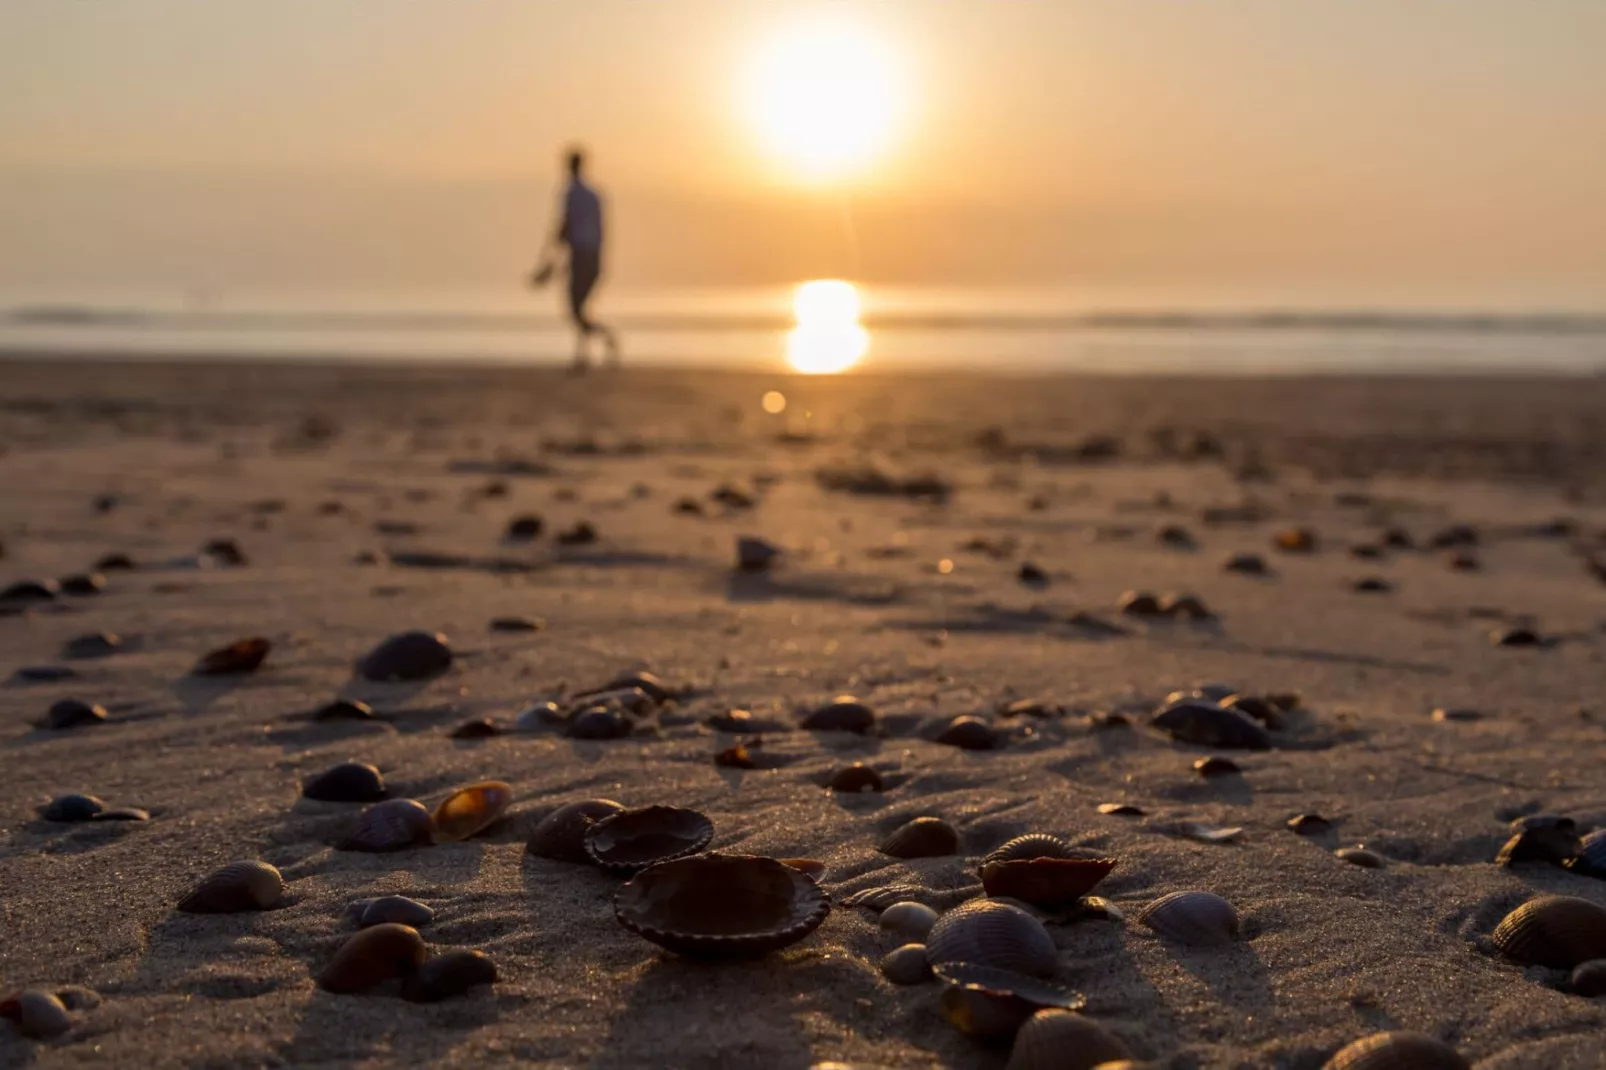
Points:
(828, 338)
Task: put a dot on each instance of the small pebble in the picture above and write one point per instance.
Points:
(1515, 637)
(582, 534)
(524, 528)
(1248, 564)
(1031, 575)
(1371, 585)
(907, 965)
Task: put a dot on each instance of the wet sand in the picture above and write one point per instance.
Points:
(905, 509)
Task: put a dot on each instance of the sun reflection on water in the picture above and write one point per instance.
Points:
(828, 337)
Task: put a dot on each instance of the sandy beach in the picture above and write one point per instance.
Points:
(368, 501)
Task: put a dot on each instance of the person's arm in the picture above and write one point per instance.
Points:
(547, 262)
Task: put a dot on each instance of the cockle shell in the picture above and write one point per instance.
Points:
(407, 656)
(374, 956)
(71, 713)
(1211, 726)
(72, 808)
(968, 733)
(390, 909)
(1589, 979)
(721, 906)
(988, 1003)
(599, 722)
(471, 809)
(924, 837)
(346, 782)
(1590, 857)
(1554, 930)
(1190, 917)
(391, 826)
(1044, 882)
(237, 886)
(882, 897)
(912, 921)
(631, 839)
(239, 657)
(39, 1015)
(1056, 1039)
(1360, 856)
(562, 833)
(989, 933)
(1397, 1051)
(654, 686)
(842, 714)
(855, 778)
(449, 974)
(906, 965)
(1032, 845)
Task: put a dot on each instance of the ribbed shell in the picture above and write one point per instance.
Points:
(346, 782)
(631, 839)
(1397, 1051)
(449, 974)
(721, 906)
(1056, 1039)
(39, 1015)
(968, 733)
(988, 933)
(1031, 845)
(989, 1003)
(1590, 857)
(1589, 979)
(1201, 919)
(562, 833)
(237, 886)
(1211, 726)
(912, 921)
(906, 965)
(1554, 930)
(374, 956)
(881, 898)
(392, 909)
(239, 657)
(842, 714)
(855, 778)
(407, 656)
(924, 837)
(471, 809)
(391, 826)
(1045, 882)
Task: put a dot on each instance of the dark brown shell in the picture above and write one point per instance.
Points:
(1031, 845)
(561, 834)
(1200, 919)
(1045, 882)
(654, 686)
(1121, 810)
(855, 778)
(238, 658)
(1185, 606)
(988, 933)
(471, 809)
(842, 714)
(1554, 930)
(83, 583)
(755, 555)
(968, 733)
(1211, 726)
(1589, 979)
(1264, 710)
(374, 956)
(1247, 563)
(1215, 765)
(449, 974)
(1590, 855)
(924, 837)
(237, 886)
(476, 728)
(346, 782)
(988, 1003)
(1139, 604)
(599, 722)
(391, 826)
(631, 839)
(72, 808)
(1310, 825)
(39, 1015)
(407, 656)
(92, 645)
(31, 591)
(1360, 856)
(71, 713)
(1397, 1051)
(343, 709)
(1054, 1039)
(1552, 845)
(123, 813)
(721, 906)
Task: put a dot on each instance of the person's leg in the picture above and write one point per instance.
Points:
(583, 272)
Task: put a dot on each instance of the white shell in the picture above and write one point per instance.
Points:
(912, 921)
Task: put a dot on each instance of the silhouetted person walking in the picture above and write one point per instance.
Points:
(580, 230)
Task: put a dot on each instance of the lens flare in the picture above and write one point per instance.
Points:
(828, 338)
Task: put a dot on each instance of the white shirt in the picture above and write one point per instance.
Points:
(582, 217)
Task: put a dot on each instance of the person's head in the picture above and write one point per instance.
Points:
(576, 161)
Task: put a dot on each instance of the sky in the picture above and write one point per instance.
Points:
(1442, 153)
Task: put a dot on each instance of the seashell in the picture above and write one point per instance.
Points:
(739, 756)
(655, 688)
(1104, 721)
(811, 868)
(1098, 908)
(989, 933)
(910, 920)
(343, 709)
(373, 956)
(1552, 845)
(71, 713)
(1589, 979)
(599, 722)
(1464, 561)
(906, 965)
(78, 997)
(1175, 535)
(1198, 830)
(346, 782)
(36, 674)
(1044, 882)
(988, 1003)
(1360, 856)
(1590, 855)
(582, 534)
(1215, 765)
(924, 837)
(842, 714)
(1371, 585)
(93, 645)
(72, 808)
(449, 974)
(1365, 551)
(1055, 1039)
(755, 555)
(525, 527)
(562, 833)
(883, 897)
(1211, 726)
(629, 699)
(1031, 575)
(1032, 845)
(516, 624)
(855, 778)
(1197, 918)
(1263, 710)
(414, 655)
(390, 909)
(477, 728)
(469, 810)
(968, 733)
(1554, 930)
(114, 562)
(1397, 1051)
(720, 906)
(123, 813)
(1310, 825)
(1248, 564)
(391, 826)
(1121, 810)
(224, 552)
(1185, 606)
(82, 583)
(236, 659)
(39, 1015)
(539, 715)
(1031, 707)
(1443, 714)
(631, 839)
(1139, 604)
(1543, 821)
(1514, 637)
(1296, 540)
(236, 887)
(30, 591)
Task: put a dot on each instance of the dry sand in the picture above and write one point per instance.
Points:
(859, 604)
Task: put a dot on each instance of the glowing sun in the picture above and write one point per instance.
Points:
(828, 338)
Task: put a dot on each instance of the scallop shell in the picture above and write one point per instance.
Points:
(71, 713)
(39, 1015)
(374, 956)
(912, 921)
(968, 733)
(238, 658)
(449, 974)
(237, 886)
(1590, 856)
(1032, 845)
(469, 810)
(407, 656)
(1055, 1039)
(906, 965)
(1201, 919)
(989, 1003)
(1554, 930)
(346, 782)
(562, 833)
(1045, 882)
(391, 909)
(988, 933)
(1397, 1051)
(72, 808)
(721, 906)
(1589, 979)
(842, 714)
(924, 837)
(1211, 726)
(599, 722)
(631, 839)
(855, 778)
(391, 826)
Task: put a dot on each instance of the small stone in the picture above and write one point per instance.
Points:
(1526, 637)
(906, 965)
(1248, 564)
(1176, 536)
(83, 583)
(688, 507)
(754, 554)
(525, 528)
(225, 552)
(1464, 561)
(1031, 575)
(1296, 540)
(582, 534)
(1371, 585)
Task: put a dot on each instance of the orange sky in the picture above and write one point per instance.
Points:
(1325, 151)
